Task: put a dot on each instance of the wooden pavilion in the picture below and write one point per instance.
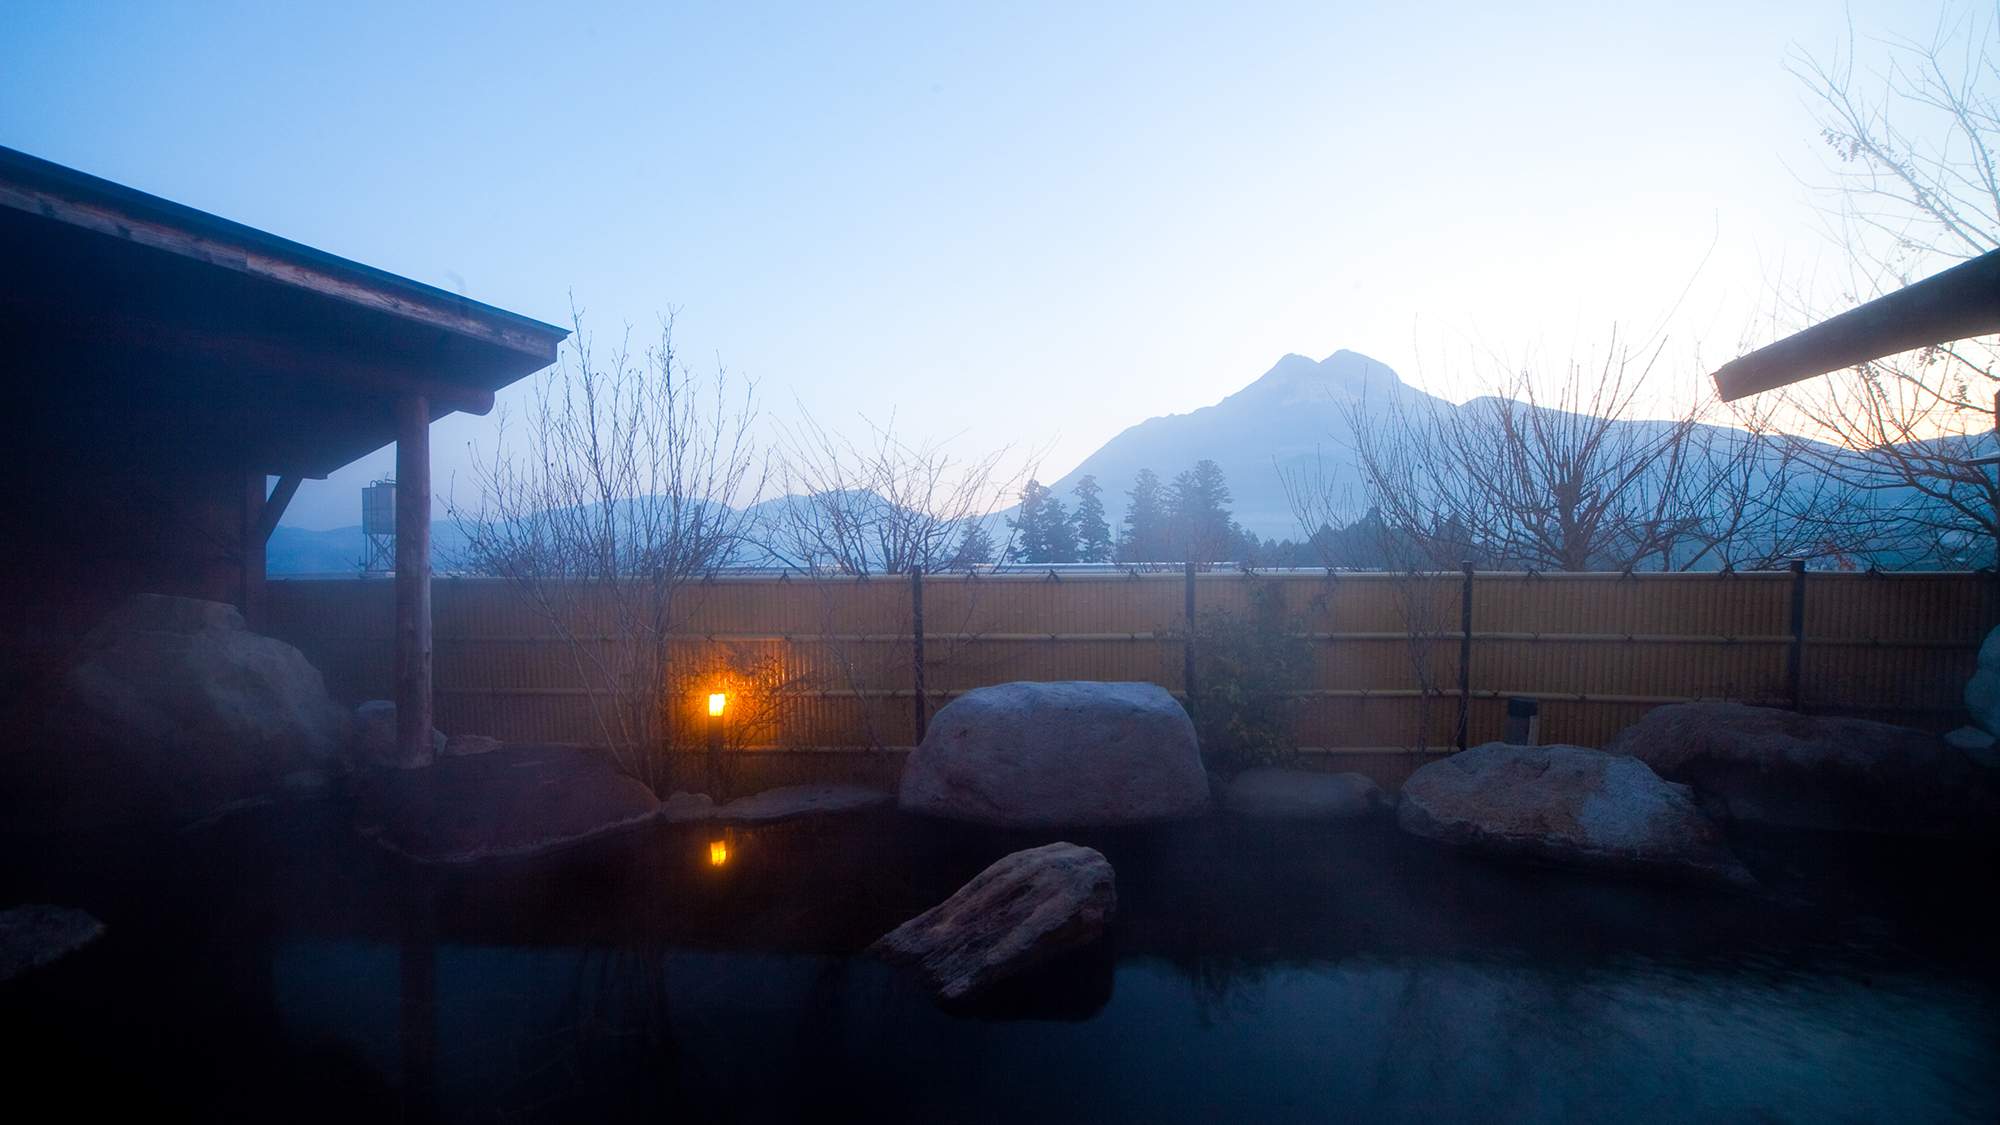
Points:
(166, 364)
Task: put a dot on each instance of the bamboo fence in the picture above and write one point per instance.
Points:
(1394, 654)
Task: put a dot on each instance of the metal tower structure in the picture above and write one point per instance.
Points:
(378, 526)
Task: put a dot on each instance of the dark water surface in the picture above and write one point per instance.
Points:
(273, 967)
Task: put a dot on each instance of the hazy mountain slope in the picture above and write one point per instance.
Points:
(294, 550)
(340, 550)
(1281, 421)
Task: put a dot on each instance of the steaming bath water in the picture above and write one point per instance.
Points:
(272, 966)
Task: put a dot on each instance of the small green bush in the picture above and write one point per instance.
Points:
(1246, 671)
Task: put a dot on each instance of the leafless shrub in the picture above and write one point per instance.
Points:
(1535, 477)
(1320, 503)
(864, 511)
(884, 506)
(1912, 185)
(617, 495)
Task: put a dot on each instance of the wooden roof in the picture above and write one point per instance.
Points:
(1958, 303)
(134, 328)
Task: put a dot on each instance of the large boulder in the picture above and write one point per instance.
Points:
(1274, 794)
(1025, 910)
(1567, 805)
(1067, 754)
(1982, 692)
(1761, 765)
(175, 710)
(516, 800)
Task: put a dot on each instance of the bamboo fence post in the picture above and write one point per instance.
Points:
(1187, 650)
(919, 719)
(1795, 654)
(1465, 658)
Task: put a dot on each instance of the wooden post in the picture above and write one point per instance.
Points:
(252, 553)
(413, 579)
(1795, 656)
(919, 716)
(1465, 659)
(261, 514)
(1187, 651)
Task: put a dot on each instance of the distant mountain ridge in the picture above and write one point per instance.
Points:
(341, 550)
(1293, 419)
(1283, 421)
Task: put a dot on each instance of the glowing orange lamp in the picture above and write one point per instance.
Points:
(716, 702)
(718, 852)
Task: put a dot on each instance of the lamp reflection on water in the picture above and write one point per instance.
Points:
(718, 852)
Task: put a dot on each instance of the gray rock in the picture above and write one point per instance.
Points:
(1982, 692)
(1970, 738)
(1982, 699)
(517, 800)
(794, 801)
(1066, 754)
(1025, 910)
(34, 936)
(1300, 795)
(375, 739)
(180, 710)
(1761, 765)
(1567, 805)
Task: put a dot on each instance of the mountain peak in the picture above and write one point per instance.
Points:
(1284, 421)
(1294, 379)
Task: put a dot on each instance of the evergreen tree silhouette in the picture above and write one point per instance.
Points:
(1144, 538)
(1042, 530)
(1093, 535)
(1203, 531)
(976, 548)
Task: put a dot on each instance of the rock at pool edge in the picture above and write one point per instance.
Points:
(1571, 806)
(1025, 910)
(1072, 753)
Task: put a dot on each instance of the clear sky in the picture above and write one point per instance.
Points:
(1033, 224)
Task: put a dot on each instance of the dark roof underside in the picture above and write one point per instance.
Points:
(138, 330)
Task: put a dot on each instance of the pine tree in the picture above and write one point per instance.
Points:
(975, 548)
(1201, 525)
(1061, 534)
(1144, 536)
(1093, 535)
(1042, 531)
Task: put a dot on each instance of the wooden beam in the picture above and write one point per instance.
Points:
(250, 553)
(288, 263)
(274, 507)
(413, 580)
(1961, 302)
(277, 364)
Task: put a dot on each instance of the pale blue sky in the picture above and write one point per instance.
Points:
(1025, 223)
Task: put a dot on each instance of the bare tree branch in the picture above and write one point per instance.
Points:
(1914, 185)
(625, 486)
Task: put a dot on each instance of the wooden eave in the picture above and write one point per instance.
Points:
(1955, 304)
(135, 325)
